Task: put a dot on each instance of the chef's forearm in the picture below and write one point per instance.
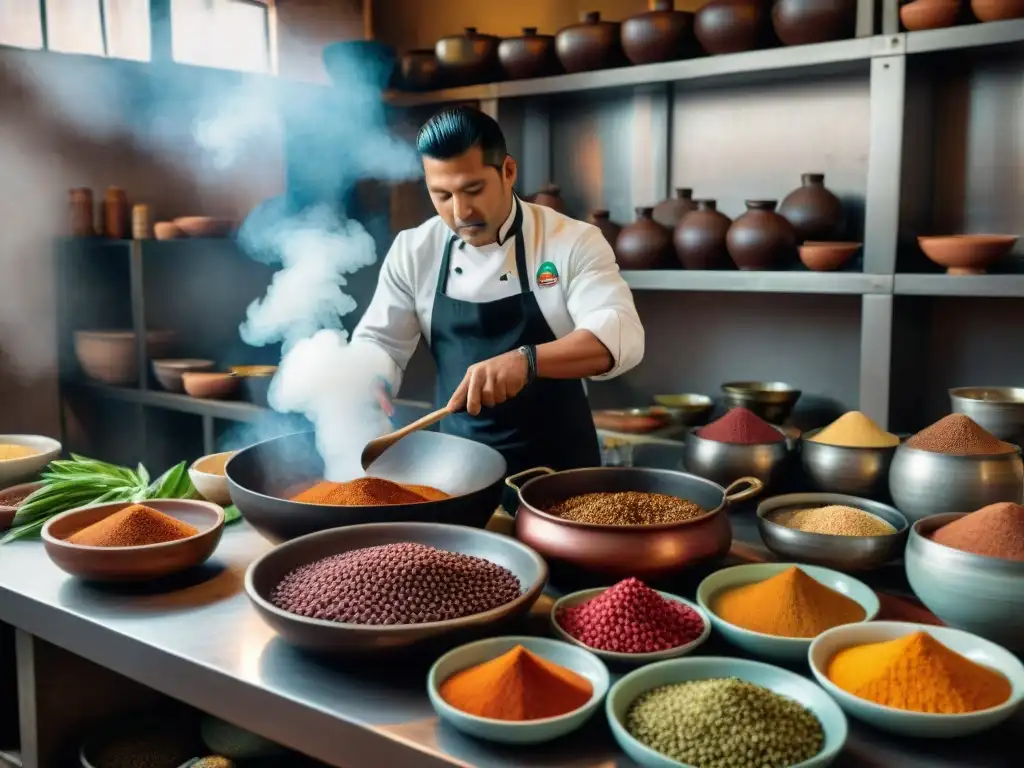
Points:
(578, 355)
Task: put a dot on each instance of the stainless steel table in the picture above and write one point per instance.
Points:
(200, 643)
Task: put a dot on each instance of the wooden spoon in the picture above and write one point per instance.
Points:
(377, 446)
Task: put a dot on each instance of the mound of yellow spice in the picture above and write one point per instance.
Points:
(917, 673)
(789, 604)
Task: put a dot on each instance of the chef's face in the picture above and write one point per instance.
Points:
(473, 199)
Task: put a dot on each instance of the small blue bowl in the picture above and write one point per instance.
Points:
(579, 660)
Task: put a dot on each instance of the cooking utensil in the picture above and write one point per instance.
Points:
(686, 409)
(324, 636)
(845, 469)
(1000, 410)
(376, 447)
(723, 463)
(263, 477)
(771, 400)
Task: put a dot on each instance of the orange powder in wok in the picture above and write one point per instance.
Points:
(368, 492)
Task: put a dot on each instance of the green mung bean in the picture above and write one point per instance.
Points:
(725, 723)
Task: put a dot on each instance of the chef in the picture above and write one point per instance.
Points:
(517, 302)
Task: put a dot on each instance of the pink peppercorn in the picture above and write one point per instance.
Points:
(631, 618)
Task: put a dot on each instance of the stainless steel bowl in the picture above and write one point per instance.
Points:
(771, 400)
(1000, 410)
(983, 595)
(842, 469)
(686, 410)
(844, 553)
(924, 483)
(723, 463)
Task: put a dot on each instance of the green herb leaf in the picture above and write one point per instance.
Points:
(143, 474)
(231, 515)
(29, 530)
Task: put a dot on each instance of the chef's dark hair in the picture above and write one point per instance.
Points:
(455, 131)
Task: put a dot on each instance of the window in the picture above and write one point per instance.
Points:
(230, 34)
(128, 34)
(21, 24)
(115, 28)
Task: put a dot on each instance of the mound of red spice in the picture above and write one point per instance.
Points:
(631, 618)
(994, 531)
(742, 427)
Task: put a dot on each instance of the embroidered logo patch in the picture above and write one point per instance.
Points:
(547, 275)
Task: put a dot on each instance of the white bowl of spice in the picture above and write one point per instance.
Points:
(208, 476)
(22, 457)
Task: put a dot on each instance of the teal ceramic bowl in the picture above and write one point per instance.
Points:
(628, 659)
(918, 724)
(780, 681)
(785, 649)
(573, 657)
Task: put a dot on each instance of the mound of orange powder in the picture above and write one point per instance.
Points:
(368, 492)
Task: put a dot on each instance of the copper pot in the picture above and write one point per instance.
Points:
(531, 55)
(469, 58)
(614, 552)
(660, 34)
(591, 44)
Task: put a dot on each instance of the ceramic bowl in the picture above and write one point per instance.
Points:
(169, 372)
(846, 553)
(780, 681)
(1000, 410)
(212, 486)
(929, 14)
(966, 254)
(979, 594)
(917, 724)
(686, 409)
(627, 659)
(826, 257)
(11, 498)
(143, 563)
(111, 357)
(211, 385)
(167, 230)
(785, 649)
(204, 226)
(28, 467)
(573, 657)
(636, 421)
(771, 400)
(997, 10)
(846, 469)
(723, 463)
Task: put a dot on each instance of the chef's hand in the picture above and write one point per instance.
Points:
(491, 382)
(382, 396)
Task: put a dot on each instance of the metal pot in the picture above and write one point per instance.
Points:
(614, 552)
(724, 463)
(1000, 410)
(846, 469)
(924, 483)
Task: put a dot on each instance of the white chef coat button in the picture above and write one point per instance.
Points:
(458, 270)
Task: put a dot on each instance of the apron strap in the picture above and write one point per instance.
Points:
(520, 246)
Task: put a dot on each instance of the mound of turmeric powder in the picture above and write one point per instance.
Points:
(368, 492)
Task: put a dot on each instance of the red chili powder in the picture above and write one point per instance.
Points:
(368, 492)
(742, 427)
(994, 531)
(631, 618)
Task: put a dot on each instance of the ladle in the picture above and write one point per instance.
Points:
(377, 446)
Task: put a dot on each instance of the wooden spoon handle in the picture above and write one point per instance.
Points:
(421, 423)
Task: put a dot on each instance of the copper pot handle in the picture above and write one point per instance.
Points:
(510, 480)
(732, 496)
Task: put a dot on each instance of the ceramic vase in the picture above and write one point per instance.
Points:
(669, 212)
(591, 44)
(802, 22)
(644, 244)
(761, 238)
(468, 58)
(814, 211)
(419, 71)
(699, 237)
(550, 195)
(731, 26)
(601, 219)
(531, 55)
(661, 34)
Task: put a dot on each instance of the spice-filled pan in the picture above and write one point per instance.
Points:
(263, 479)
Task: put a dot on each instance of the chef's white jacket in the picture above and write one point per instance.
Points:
(589, 293)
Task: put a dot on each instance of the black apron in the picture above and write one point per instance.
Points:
(549, 422)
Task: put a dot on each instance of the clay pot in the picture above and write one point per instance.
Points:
(469, 58)
(814, 211)
(760, 238)
(658, 35)
(591, 44)
(826, 257)
(929, 14)
(115, 213)
(550, 195)
(531, 55)
(699, 237)
(609, 228)
(644, 244)
(801, 22)
(83, 213)
(730, 26)
(419, 71)
(669, 212)
(211, 385)
(998, 10)
(966, 254)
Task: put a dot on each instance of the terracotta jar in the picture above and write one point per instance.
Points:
(660, 34)
(419, 71)
(549, 195)
(610, 230)
(814, 211)
(731, 26)
(760, 238)
(929, 14)
(115, 214)
(591, 44)
(669, 212)
(83, 213)
(998, 10)
(531, 55)
(469, 58)
(644, 244)
(801, 22)
(699, 237)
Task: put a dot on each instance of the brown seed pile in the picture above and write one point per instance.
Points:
(959, 435)
(626, 508)
(134, 526)
(396, 584)
(834, 520)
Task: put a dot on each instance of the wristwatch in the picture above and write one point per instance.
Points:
(530, 353)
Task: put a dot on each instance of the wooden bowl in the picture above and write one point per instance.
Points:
(11, 498)
(825, 257)
(212, 385)
(966, 254)
(144, 563)
(929, 14)
(636, 421)
(204, 226)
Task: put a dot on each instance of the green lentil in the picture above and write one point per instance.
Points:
(725, 723)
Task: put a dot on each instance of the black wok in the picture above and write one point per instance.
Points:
(261, 477)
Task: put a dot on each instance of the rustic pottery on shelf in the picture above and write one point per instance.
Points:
(966, 254)
(644, 244)
(660, 34)
(826, 257)
(760, 238)
(699, 237)
(802, 22)
(730, 26)
(531, 55)
(591, 44)
(469, 58)
(115, 213)
(669, 212)
(550, 195)
(929, 14)
(998, 10)
(419, 70)
(814, 211)
(601, 219)
(83, 212)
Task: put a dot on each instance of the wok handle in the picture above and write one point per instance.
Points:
(510, 481)
(754, 487)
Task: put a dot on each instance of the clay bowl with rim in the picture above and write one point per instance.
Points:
(966, 254)
(773, 401)
(167, 230)
(169, 372)
(634, 421)
(27, 467)
(212, 486)
(17, 494)
(998, 10)
(111, 357)
(822, 256)
(689, 410)
(211, 385)
(929, 14)
(203, 226)
(142, 563)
